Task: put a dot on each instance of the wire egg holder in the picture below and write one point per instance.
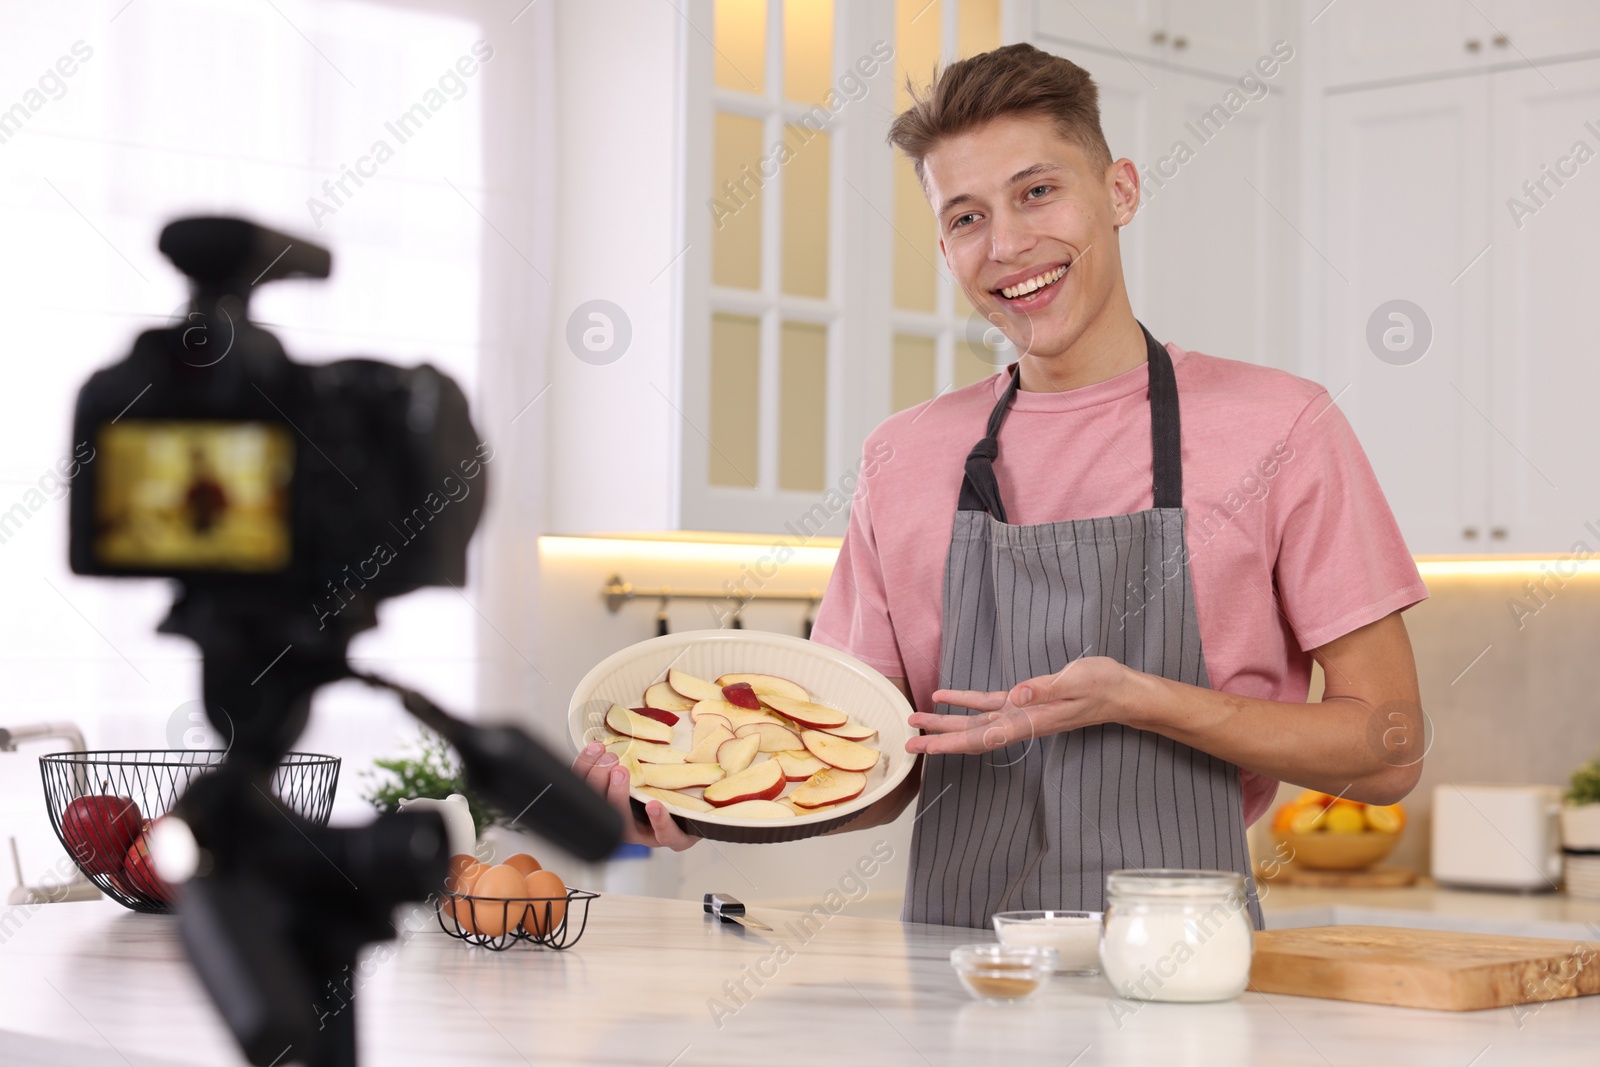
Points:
(509, 916)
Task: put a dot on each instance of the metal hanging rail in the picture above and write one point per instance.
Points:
(618, 592)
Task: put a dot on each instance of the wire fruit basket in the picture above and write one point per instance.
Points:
(102, 802)
(497, 923)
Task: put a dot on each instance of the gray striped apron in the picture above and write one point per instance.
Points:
(1040, 823)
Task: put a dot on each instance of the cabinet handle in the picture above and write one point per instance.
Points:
(1497, 532)
(1470, 533)
(1159, 37)
(1473, 44)
(1180, 43)
(1501, 40)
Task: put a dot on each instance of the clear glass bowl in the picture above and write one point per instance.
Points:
(1003, 973)
(1075, 935)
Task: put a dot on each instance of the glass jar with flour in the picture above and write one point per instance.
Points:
(1176, 935)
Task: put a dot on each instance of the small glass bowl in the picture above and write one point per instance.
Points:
(1004, 974)
(1075, 935)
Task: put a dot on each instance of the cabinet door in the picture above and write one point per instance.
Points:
(1102, 25)
(1216, 249)
(1369, 40)
(1544, 377)
(1224, 36)
(1536, 29)
(1404, 220)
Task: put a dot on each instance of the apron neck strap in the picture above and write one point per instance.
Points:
(980, 491)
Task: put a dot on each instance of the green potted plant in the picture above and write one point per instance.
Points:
(433, 779)
(1580, 815)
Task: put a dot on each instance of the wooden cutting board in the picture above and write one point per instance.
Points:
(1379, 877)
(1422, 968)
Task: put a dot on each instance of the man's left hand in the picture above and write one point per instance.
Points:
(1087, 692)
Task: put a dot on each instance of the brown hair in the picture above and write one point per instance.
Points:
(1018, 79)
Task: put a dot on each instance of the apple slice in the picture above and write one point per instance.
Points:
(663, 697)
(674, 799)
(631, 761)
(681, 775)
(852, 731)
(666, 718)
(798, 766)
(816, 716)
(759, 781)
(737, 753)
(742, 695)
(798, 810)
(645, 752)
(687, 685)
(706, 723)
(774, 738)
(719, 706)
(829, 786)
(839, 753)
(758, 809)
(767, 685)
(631, 724)
(705, 749)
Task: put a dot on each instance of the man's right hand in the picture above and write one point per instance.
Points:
(609, 778)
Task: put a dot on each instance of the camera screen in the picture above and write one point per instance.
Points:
(179, 495)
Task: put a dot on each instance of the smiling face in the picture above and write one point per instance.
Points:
(1028, 225)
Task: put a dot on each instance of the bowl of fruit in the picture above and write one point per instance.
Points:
(747, 736)
(1329, 833)
(104, 804)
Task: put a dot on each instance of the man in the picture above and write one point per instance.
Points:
(1101, 576)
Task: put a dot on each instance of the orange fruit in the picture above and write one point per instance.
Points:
(1386, 818)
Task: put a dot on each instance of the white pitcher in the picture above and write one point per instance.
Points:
(458, 825)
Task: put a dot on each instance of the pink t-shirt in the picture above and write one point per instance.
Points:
(1291, 542)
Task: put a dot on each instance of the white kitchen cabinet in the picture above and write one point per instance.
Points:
(1543, 475)
(1403, 218)
(1193, 36)
(1540, 30)
(1376, 40)
(1205, 257)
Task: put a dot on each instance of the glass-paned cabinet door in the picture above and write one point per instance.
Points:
(939, 344)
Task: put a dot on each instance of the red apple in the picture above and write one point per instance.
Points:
(139, 872)
(99, 830)
(742, 695)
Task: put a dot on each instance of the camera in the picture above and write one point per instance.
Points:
(287, 500)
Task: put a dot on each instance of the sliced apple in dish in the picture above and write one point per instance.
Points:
(706, 723)
(839, 753)
(759, 781)
(667, 718)
(681, 775)
(829, 786)
(646, 752)
(663, 697)
(687, 685)
(758, 809)
(816, 716)
(742, 695)
(766, 685)
(705, 749)
(632, 724)
(798, 810)
(737, 753)
(852, 731)
(798, 766)
(773, 738)
(674, 799)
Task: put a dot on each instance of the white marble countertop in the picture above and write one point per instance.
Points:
(91, 984)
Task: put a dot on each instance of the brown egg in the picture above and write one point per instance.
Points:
(463, 869)
(544, 884)
(494, 885)
(524, 863)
